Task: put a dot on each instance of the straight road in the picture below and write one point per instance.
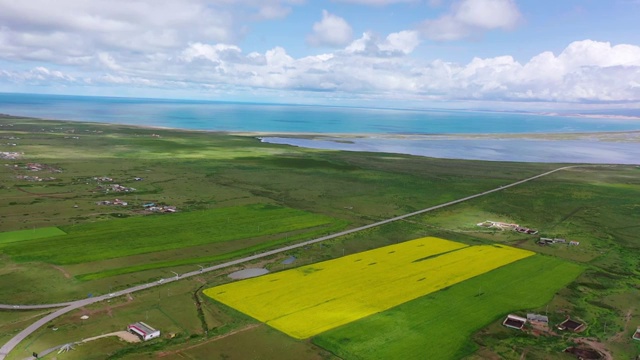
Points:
(73, 305)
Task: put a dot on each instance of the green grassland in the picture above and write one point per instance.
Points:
(264, 343)
(13, 321)
(196, 170)
(204, 174)
(171, 308)
(22, 235)
(139, 235)
(439, 325)
(596, 206)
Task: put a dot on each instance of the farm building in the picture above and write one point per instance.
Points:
(537, 318)
(514, 322)
(525, 230)
(144, 331)
(571, 325)
(636, 336)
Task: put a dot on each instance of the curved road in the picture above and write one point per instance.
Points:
(72, 305)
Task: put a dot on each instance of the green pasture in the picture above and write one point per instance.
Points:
(170, 308)
(200, 170)
(35, 233)
(139, 235)
(250, 342)
(228, 255)
(208, 174)
(439, 326)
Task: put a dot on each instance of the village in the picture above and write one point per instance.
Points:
(538, 325)
(542, 241)
(105, 184)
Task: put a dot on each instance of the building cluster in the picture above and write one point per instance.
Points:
(524, 230)
(118, 188)
(518, 322)
(514, 322)
(116, 202)
(35, 178)
(41, 167)
(153, 207)
(549, 241)
(10, 155)
(507, 226)
(103, 179)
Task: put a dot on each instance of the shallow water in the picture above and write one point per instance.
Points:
(248, 273)
(523, 150)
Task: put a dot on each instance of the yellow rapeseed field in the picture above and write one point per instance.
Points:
(311, 299)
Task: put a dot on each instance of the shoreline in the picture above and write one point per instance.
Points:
(343, 135)
(610, 147)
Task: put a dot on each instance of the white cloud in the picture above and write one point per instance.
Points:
(332, 30)
(470, 17)
(395, 44)
(70, 31)
(403, 41)
(108, 61)
(488, 14)
(376, 2)
(37, 76)
(584, 72)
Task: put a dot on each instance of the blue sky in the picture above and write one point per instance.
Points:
(497, 53)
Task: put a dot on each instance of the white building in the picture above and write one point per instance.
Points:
(144, 331)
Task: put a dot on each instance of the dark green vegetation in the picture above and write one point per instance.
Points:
(204, 174)
(440, 325)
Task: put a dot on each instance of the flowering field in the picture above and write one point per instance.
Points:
(308, 300)
(441, 325)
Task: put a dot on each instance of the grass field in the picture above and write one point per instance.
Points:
(306, 301)
(200, 172)
(132, 236)
(266, 343)
(33, 234)
(439, 325)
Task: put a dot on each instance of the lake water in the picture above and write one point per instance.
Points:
(524, 150)
(224, 116)
(271, 118)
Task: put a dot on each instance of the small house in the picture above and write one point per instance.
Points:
(537, 318)
(143, 331)
(636, 336)
(514, 322)
(572, 325)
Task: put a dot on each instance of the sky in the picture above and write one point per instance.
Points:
(404, 53)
